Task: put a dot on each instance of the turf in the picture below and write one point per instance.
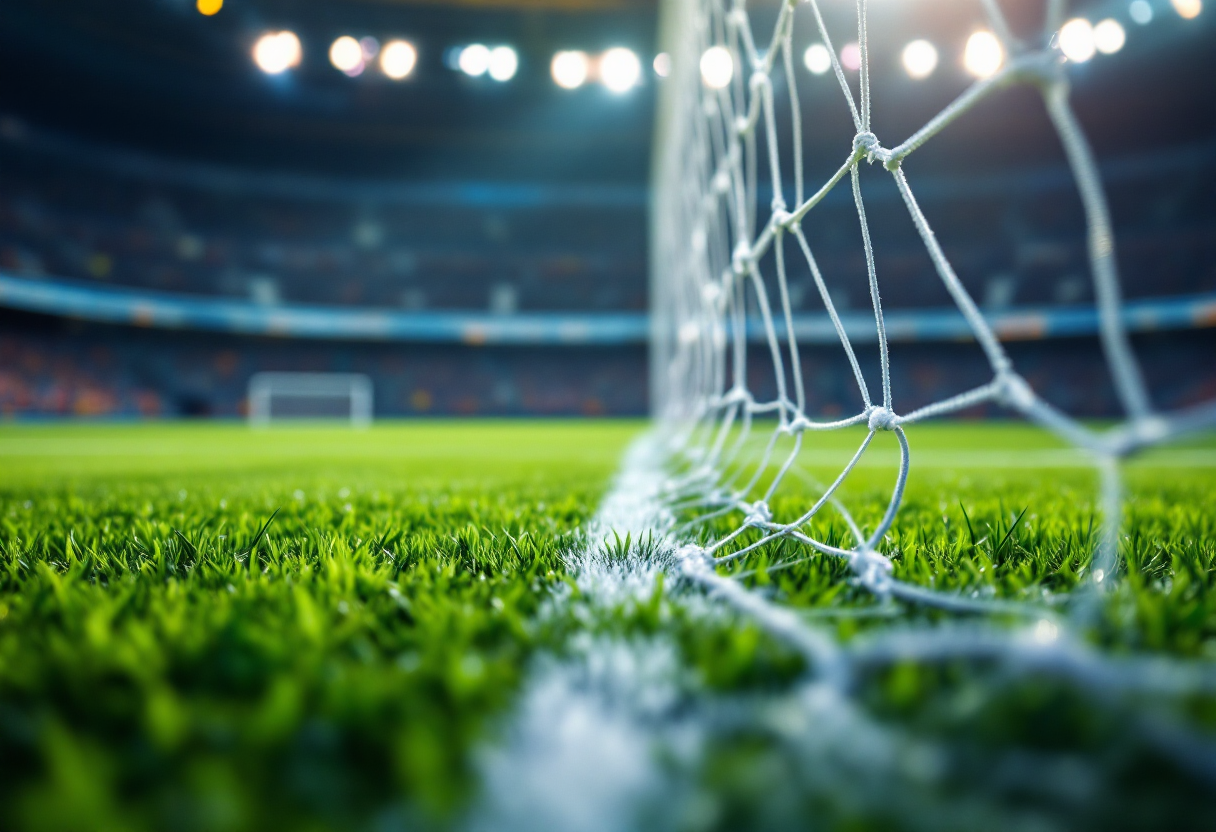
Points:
(206, 627)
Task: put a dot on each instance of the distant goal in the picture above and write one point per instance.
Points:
(276, 397)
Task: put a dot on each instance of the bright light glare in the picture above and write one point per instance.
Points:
(474, 59)
(398, 58)
(276, 51)
(620, 69)
(662, 64)
(850, 57)
(346, 54)
(1141, 12)
(1188, 8)
(1077, 40)
(717, 67)
(817, 59)
(1109, 36)
(503, 63)
(983, 54)
(919, 59)
(570, 69)
(209, 7)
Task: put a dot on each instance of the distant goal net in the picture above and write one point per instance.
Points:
(731, 208)
(277, 397)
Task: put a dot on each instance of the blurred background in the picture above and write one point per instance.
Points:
(449, 201)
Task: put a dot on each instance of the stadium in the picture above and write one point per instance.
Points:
(608, 415)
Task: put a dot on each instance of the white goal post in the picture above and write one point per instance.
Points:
(275, 396)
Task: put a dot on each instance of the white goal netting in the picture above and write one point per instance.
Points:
(722, 265)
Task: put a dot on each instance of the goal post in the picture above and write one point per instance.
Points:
(280, 395)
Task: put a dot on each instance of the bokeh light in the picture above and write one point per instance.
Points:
(474, 59)
(503, 63)
(850, 57)
(817, 59)
(346, 54)
(919, 59)
(1188, 9)
(1141, 11)
(1109, 36)
(276, 52)
(620, 69)
(209, 7)
(570, 69)
(717, 67)
(983, 55)
(398, 59)
(662, 64)
(1077, 40)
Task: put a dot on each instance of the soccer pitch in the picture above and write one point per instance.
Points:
(208, 627)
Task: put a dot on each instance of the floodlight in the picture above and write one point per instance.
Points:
(662, 64)
(398, 58)
(1077, 40)
(474, 59)
(209, 7)
(276, 52)
(570, 69)
(346, 54)
(503, 63)
(1109, 36)
(983, 55)
(817, 59)
(1187, 8)
(1141, 12)
(717, 67)
(919, 59)
(620, 69)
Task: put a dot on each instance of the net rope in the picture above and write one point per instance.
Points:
(712, 251)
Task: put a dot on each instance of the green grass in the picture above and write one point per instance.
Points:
(207, 627)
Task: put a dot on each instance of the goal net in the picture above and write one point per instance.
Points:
(307, 396)
(724, 253)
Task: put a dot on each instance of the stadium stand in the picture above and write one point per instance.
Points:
(498, 220)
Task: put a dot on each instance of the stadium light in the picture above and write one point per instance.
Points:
(620, 69)
(1109, 36)
(346, 54)
(570, 69)
(1141, 12)
(503, 63)
(983, 55)
(474, 59)
(1187, 9)
(817, 59)
(209, 7)
(276, 52)
(717, 67)
(1077, 40)
(398, 59)
(662, 64)
(850, 57)
(919, 59)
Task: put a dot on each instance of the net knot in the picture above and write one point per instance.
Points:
(759, 80)
(742, 258)
(866, 142)
(758, 514)
(883, 419)
(1015, 392)
(874, 571)
(781, 217)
